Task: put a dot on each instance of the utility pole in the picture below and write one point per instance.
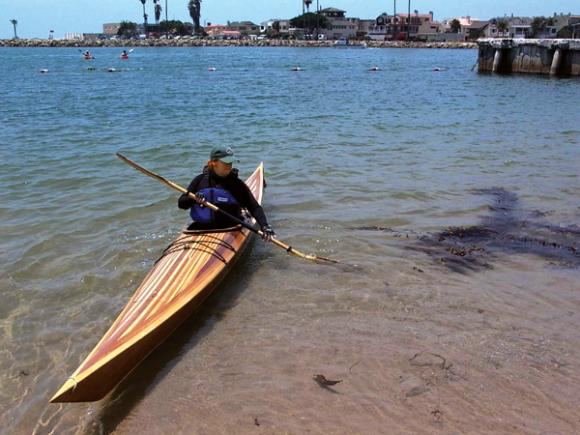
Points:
(395, 19)
(166, 22)
(409, 22)
(317, 20)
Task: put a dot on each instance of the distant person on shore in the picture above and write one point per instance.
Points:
(220, 185)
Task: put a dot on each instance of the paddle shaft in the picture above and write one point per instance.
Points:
(213, 207)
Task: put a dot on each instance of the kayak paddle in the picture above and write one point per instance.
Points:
(211, 206)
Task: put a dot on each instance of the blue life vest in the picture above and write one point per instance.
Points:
(220, 198)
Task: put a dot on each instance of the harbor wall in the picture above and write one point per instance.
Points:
(555, 57)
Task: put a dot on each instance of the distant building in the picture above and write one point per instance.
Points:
(364, 27)
(403, 26)
(574, 25)
(340, 26)
(92, 37)
(246, 28)
(219, 31)
(496, 29)
(521, 27)
(73, 36)
(275, 25)
(472, 27)
(111, 29)
(215, 30)
(547, 32)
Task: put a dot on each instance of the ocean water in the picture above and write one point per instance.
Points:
(455, 195)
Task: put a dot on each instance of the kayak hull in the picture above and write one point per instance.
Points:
(185, 275)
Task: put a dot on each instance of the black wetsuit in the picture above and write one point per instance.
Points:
(232, 184)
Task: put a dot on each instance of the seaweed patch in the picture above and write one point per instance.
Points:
(507, 230)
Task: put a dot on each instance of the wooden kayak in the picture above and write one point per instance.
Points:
(185, 275)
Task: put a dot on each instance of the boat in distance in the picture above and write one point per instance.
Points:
(182, 278)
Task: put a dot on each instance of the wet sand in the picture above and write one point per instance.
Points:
(419, 348)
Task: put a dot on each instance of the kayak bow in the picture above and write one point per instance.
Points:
(182, 278)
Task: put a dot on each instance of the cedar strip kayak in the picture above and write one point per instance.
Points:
(185, 275)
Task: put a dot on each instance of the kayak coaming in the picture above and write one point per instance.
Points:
(178, 283)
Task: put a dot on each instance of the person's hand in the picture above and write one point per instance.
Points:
(199, 198)
(268, 233)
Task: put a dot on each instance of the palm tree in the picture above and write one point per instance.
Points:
(502, 27)
(144, 15)
(307, 3)
(194, 7)
(158, 10)
(14, 23)
(455, 25)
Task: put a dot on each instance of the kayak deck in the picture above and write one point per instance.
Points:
(181, 279)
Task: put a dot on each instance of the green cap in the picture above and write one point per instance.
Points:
(223, 154)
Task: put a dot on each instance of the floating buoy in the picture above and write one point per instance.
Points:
(112, 69)
(296, 68)
(91, 68)
(211, 68)
(439, 69)
(43, 71)
(374, 68)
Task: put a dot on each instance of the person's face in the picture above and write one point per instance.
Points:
(222, 169)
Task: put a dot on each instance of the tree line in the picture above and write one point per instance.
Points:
(308, 21)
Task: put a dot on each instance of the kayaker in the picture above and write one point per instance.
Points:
(87, 54)
(124, 55)
(220, 185)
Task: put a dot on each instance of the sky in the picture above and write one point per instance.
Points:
(37, 17)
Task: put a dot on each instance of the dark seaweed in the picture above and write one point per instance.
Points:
(507, 230)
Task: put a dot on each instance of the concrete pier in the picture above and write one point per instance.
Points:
(555, 57)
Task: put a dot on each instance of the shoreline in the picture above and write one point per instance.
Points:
(190, 42)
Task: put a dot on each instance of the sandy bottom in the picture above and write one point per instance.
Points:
(418, 349)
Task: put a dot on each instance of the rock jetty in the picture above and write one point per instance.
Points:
(196, 42)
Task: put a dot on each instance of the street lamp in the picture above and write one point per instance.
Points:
(14, 23)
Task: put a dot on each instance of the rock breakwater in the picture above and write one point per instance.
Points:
(193, 42)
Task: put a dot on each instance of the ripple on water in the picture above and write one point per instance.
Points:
(344, 150)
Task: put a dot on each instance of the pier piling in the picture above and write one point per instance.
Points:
(554, 57)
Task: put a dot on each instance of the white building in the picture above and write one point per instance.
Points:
(340, 26)
(73, 36)
(403, 26)
(275, 24)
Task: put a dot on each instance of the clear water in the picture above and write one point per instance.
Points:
(404, 148)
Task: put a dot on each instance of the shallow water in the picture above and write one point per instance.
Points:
(372, 168)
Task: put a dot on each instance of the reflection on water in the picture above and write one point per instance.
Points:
(459, 214)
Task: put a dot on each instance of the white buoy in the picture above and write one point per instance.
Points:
(211, 68)
(43, 71)
(296, 68)
(112, 69)
(374, 68)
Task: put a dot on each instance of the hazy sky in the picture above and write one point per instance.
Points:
(37, 17)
